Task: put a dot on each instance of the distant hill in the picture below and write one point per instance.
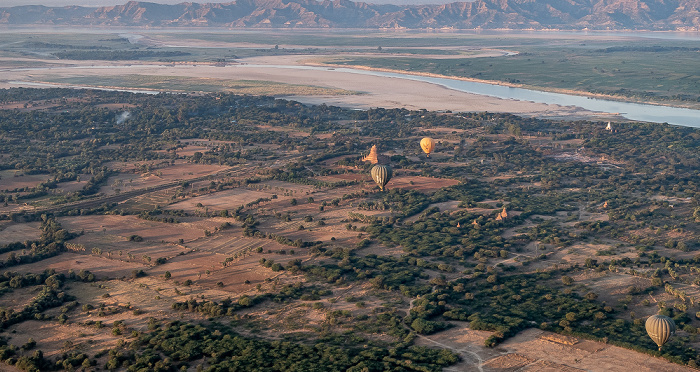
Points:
(486, 14)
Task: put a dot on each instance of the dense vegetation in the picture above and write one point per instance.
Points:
(175, 344)
(564, 185)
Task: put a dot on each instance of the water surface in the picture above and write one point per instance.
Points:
(632, 111)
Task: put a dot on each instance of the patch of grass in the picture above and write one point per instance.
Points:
(189, 84)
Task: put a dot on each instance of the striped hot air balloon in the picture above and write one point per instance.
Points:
(660, 328)
(381, 175)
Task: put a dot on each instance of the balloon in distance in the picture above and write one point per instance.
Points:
(381, 174)
(428, 145)
(660, 328)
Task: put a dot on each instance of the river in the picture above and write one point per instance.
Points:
(632, 111)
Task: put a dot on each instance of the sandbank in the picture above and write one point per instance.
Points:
(374, 91)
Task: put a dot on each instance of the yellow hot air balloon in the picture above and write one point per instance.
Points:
(660, 328)
(381, 175)
(428, 145)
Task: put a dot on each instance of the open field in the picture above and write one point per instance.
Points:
(535, 350)
(122, 227)
(188, 84)
(102, 267)
(12, 232)
(153, 176)
(225, 200)
(422, 184)
(14, 179)
(120, 248)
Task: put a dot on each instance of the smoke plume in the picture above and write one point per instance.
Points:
(124, 116)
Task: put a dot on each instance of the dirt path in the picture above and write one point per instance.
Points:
(478, 361)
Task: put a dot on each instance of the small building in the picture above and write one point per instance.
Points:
(503, 215)
(375, 158)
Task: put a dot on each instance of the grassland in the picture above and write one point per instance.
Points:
(636, 71)
(191, 84)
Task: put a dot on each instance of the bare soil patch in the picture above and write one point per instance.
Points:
(381, 250)
(422, 184)
(293, 188)
(230, 242)
(189, 150)
(532, 350)
(102, 267)
(120, 248)
(450, 206)
(345, 177)
(143, 294)
(51, 337)
(594, 356)
(122, 227)
(11, 232)
(73, 186)
(614, 286)
(227, 199)
(508, 362)
(194, 266)
(292, 132)
(12, 179)
(18, 298)
(156, 176)
(580, 251)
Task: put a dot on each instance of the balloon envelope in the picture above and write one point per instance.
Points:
(660, 328)
(428, 145)
(381, 175)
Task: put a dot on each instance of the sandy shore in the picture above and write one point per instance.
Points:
(375, 91)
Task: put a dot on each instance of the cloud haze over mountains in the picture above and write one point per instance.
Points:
(100, 3)
(487, 14)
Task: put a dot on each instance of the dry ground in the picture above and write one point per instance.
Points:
(222, 200)
(11, 232)
(379, 91)
(52, 337)
(536, 350)
(345, 177)
(11, 179)
(122, 227)
(102, 267)
(120, 248)
(418, 183)
(448, 206)
(157, 176)
(194, 266)
(231, 241)
(18, 299)
(73, 186)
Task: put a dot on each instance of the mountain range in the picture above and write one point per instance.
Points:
(681, 15)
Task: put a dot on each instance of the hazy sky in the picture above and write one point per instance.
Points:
(8, 3)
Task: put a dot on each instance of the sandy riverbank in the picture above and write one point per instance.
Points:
(376, 91)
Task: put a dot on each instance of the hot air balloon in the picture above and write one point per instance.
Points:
(428, 145)
(381, 175)
(660, 328)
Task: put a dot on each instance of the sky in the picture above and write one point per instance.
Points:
(98, 3)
